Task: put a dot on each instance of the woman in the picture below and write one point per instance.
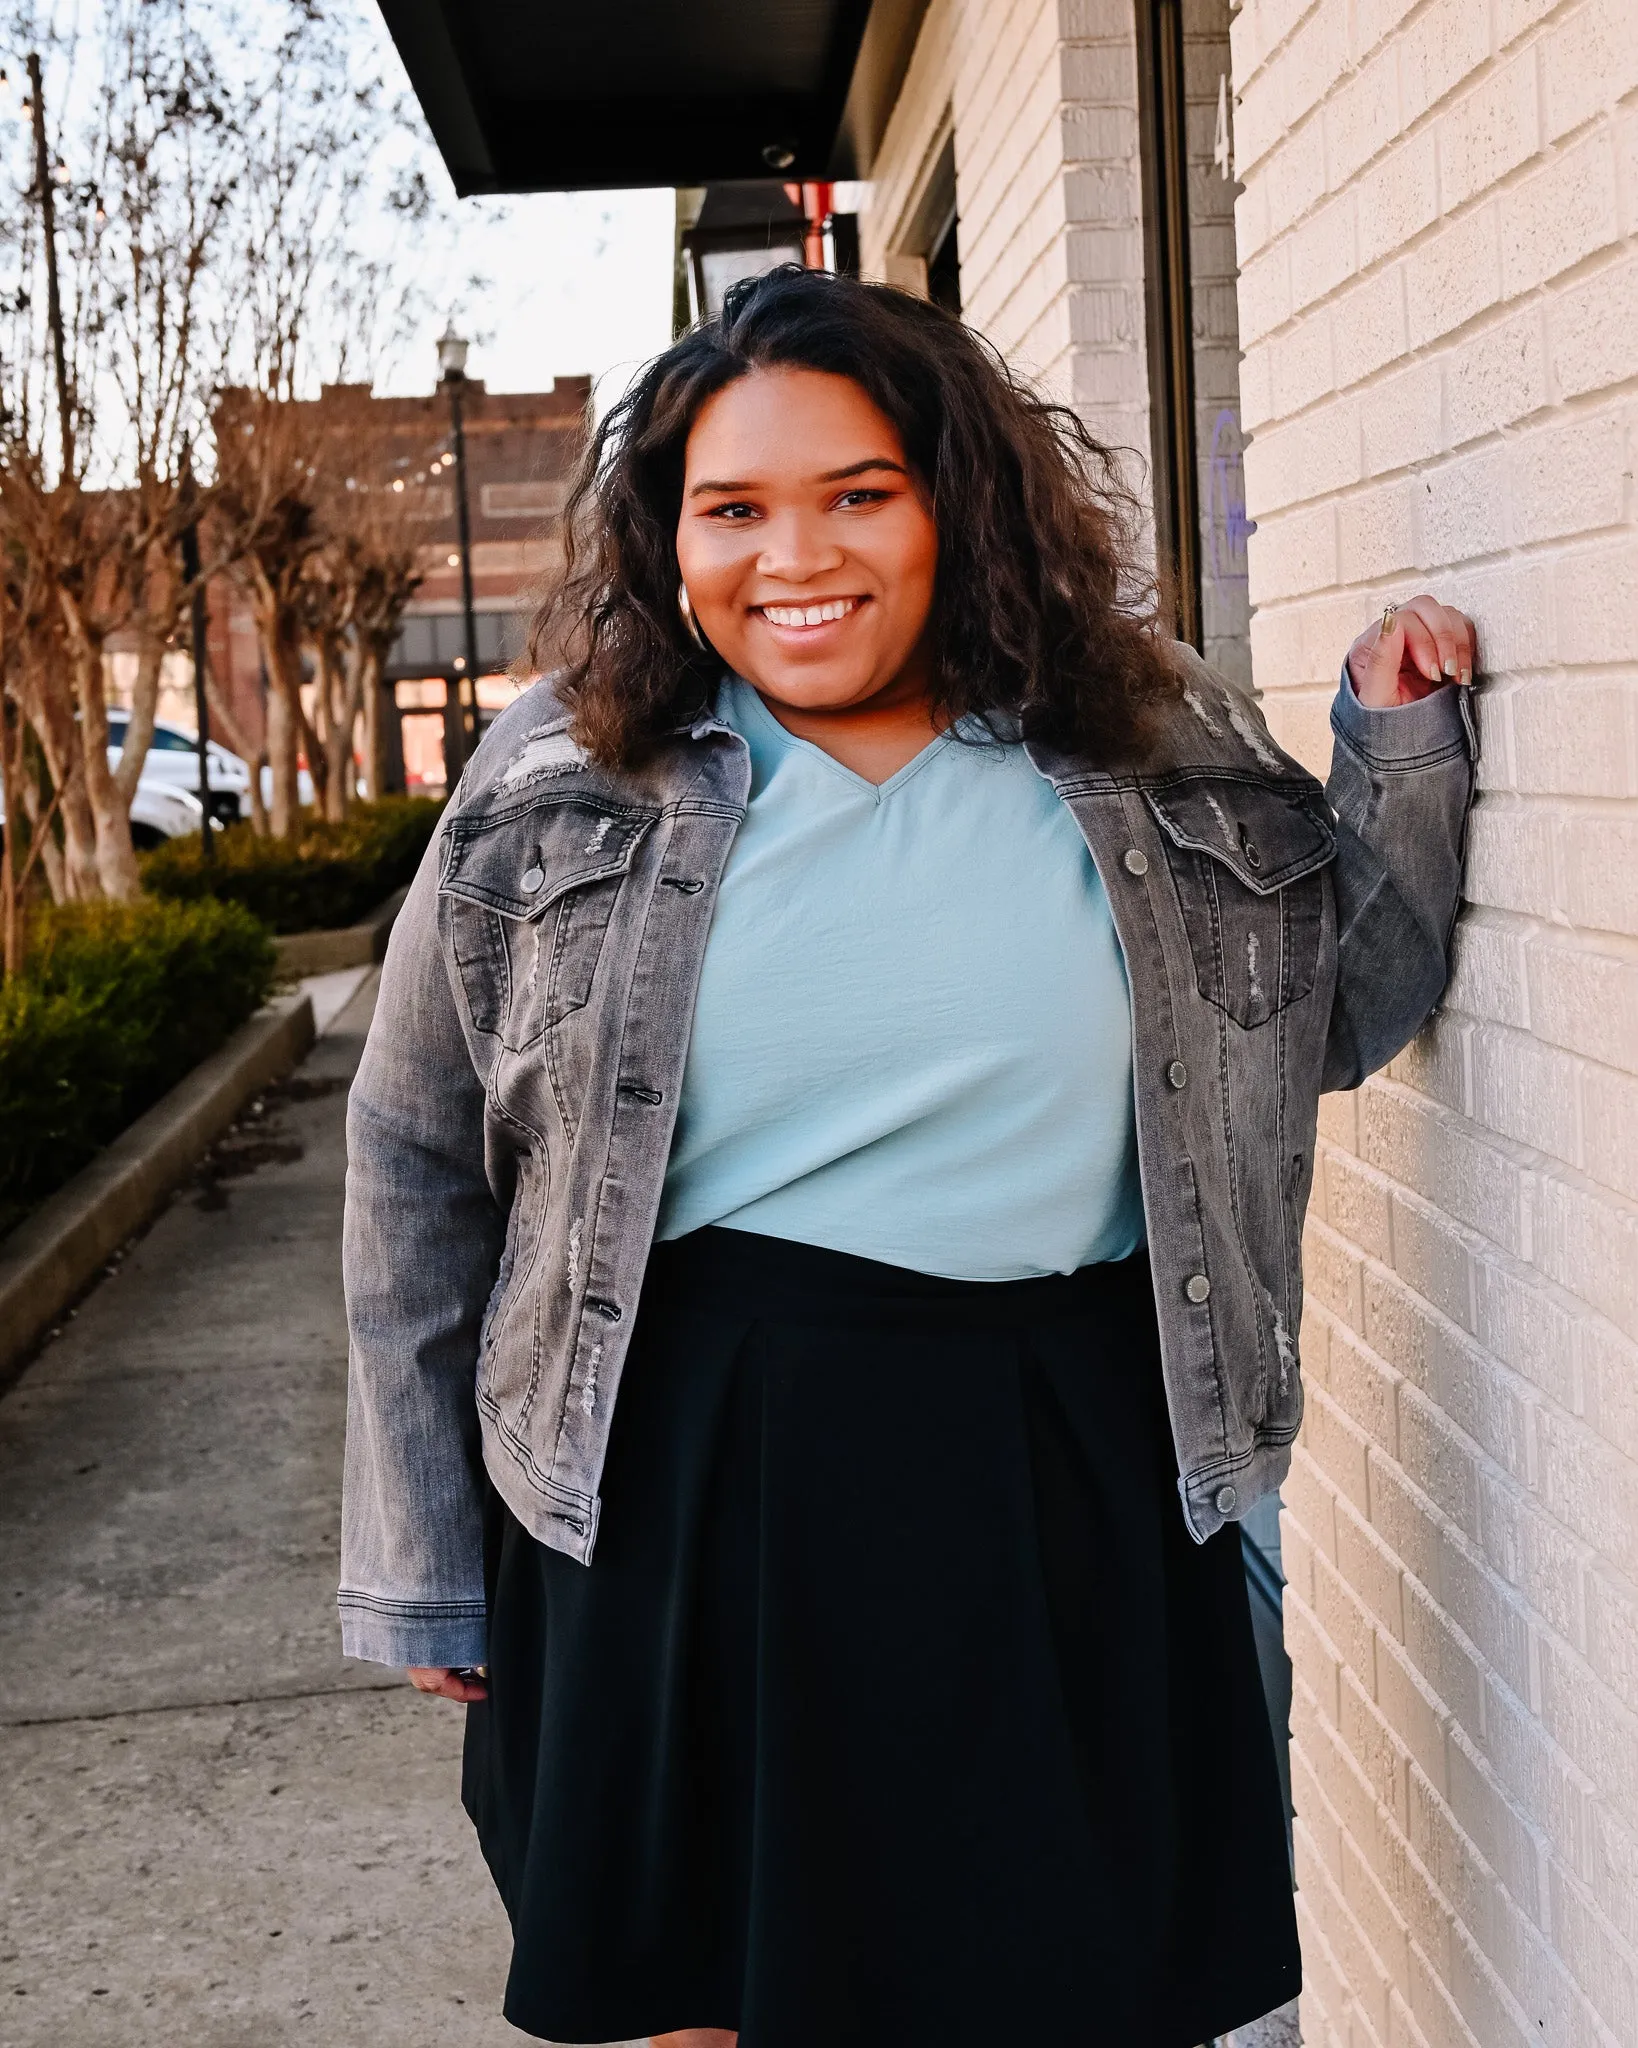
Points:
(822, 1245)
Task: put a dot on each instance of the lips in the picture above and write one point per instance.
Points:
(824, 613)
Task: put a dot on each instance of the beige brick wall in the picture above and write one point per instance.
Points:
(1043, 99)
(1438, 241)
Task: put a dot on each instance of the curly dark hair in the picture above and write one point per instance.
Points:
(1043, 613)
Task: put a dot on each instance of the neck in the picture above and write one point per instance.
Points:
(875, 738)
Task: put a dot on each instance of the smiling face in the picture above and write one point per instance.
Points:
(807, 547)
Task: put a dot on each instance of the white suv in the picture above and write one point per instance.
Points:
(166, 803)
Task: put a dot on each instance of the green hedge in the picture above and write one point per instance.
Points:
(327, 876)
(114, 1004)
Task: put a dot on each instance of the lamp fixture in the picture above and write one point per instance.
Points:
(452, 351)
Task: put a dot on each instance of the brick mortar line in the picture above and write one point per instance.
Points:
(1559, 413)
(1430, 118)
(1525, 554)
(1419, 239)
(1520, 1494)
(1355, 62)
(1270, 518)
(1528, 1158)
(1541, 1838)
(1546, 293)
(1456, 341)
(1475, 1244)
(1543, 1161)
(1478, 1760)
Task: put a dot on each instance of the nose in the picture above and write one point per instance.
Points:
(796, 549)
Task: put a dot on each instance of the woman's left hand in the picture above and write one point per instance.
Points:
(1426, 645)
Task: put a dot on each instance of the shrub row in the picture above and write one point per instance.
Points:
(325, 877)
(114, 1004)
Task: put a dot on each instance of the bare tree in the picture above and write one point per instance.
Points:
(213, 173)
(358, 583)
(129, 344)
(306, 299)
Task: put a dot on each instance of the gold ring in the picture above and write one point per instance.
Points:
(1388, 612)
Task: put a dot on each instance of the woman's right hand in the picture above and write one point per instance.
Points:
(462, 1686)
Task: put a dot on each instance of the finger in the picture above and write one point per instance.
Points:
(1457, 645)
(1421, 645)
(1373, 664)
(1450, 635)
(439, 1683)
(1468, 634)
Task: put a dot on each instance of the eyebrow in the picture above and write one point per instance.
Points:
(710, 485)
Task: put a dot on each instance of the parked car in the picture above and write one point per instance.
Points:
(171, 770)
(166, 803)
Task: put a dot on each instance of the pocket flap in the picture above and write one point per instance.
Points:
(521, 863)
(1266, 836)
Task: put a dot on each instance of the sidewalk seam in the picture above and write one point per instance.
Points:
(255, 1699)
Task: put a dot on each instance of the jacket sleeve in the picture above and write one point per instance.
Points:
(421, 1251)
(1401, 784)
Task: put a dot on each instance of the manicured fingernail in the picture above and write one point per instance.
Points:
(1450, 666)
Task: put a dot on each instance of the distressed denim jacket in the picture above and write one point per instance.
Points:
(510, 1124)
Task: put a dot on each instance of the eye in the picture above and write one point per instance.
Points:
(862, 496)
(732, 513)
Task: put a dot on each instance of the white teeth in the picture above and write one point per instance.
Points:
(808, 614)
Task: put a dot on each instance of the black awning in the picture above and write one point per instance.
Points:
(543, 96)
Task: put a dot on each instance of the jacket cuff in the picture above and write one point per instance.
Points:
(1415, 735)
(441, 1635)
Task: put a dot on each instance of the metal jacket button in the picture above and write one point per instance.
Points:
(531, 880)
(1177, 1073)
(1226, 1500)
(1197, 1287)
(1135, 861)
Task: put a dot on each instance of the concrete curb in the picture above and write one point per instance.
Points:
(355, 945)
(47, 1259)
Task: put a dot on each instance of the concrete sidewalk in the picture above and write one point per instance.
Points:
(214, 1831)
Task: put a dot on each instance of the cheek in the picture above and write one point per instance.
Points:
(915, 565)
(710, 564)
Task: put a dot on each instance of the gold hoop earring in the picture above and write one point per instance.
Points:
(689, 620)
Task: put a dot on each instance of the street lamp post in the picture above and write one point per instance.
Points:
(452, 362)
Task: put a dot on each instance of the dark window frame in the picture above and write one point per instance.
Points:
(1169, 298)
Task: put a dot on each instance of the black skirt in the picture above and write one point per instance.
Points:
(897, 1705)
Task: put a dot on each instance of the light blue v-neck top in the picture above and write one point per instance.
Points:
(912, 1039)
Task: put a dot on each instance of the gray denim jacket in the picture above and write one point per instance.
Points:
(510, 1123)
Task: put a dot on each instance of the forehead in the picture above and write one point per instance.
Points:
(788, 421)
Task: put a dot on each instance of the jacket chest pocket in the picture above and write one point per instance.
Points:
(527, 897)
(1245, 858)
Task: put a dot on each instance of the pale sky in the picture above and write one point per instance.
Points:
(580, 281)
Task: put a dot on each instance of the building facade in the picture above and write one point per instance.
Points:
(1387, 251)
(521, 450)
